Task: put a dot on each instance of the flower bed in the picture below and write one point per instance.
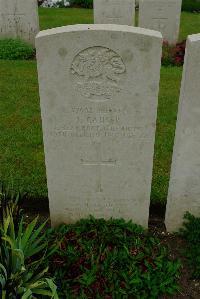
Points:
(94, 259)
(173, 55)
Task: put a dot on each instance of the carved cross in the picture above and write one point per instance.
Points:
(98, 163)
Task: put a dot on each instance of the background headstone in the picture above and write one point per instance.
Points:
(98, 90)
(161, 15)
(19, 19)
(184, 188)
(114, 12)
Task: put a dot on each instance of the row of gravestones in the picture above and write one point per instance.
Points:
(99, 91)
(160, 15)
(19, 18)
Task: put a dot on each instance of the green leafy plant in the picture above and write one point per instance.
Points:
(9, 199)
(110, 259)
(191, 233)
(21, 256)
(15, 49)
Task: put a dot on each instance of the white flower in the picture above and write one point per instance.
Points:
(66, 3)
(55, 3)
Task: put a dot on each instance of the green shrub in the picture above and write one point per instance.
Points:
(110, 259)
(82, 3)
(191, 233)
(167, 56)
(15, 49)
(9, 199)
(173, 55)
(21, 255)
(191, 5)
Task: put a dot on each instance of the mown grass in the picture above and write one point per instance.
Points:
(166, 122)
(50, 18)
(190, 24)
(21, 147)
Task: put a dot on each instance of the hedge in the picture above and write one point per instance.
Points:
(191, 5)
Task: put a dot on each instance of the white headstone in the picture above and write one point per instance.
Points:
(19, 19)
(120, 12)
(98, 91)
(184, 188)
(161, 15)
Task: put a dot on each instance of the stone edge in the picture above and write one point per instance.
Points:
(99, 27)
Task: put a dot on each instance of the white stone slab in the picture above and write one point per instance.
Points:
(19, 19)
(184, 188)
(98, 91)
(120, 12)
(161, 15)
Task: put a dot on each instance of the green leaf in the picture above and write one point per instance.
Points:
(10, 241)
(42, 292)
(39, 276)
(2, 268)
(28, 233)
(53, 288)
(27, 294)
(2, 281)
(37, 232)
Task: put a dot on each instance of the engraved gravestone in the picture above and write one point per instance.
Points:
(161, 15)
(98, 91)
(184, 187)
(19, 19)
(114, 12)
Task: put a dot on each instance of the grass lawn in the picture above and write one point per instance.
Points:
(21, 147)
(190, 24)
(50, 18)
(166, 121)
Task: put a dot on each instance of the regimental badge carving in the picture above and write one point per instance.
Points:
(97, 73)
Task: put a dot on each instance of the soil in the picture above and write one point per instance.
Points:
(189, 288)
